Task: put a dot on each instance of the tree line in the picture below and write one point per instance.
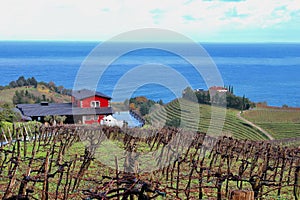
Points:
(58, 89)
(32, 82)
(141, 104)
(20, 82)
(229, 99)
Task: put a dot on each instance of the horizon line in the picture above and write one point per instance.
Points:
(100, 41)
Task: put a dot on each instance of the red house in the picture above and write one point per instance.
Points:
(87, 107)
(91, 99)
(217, 90)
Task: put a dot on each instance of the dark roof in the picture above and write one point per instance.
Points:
(84, 93)
(35, 110)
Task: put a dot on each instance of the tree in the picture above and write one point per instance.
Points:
(48, 118)
(25, 97)
(174, 122)
(141, 99)
(52, 86)
(38, 100)
(243, 104)
(207, 98)
(13, 84)
(60, 89)
(144, 109)
(7, 114)
(17, 98)
(67, 91)
(60, 119)
(203, 97)
(160, 102)
(21, 81)
(231, 90)
(32, 81)
(189, 94)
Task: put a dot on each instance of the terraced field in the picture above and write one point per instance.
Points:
(206, 119)
(280, 123)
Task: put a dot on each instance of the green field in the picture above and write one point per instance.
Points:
(280, 123)
(6, 95)
(199, 117)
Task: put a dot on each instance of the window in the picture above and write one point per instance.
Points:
(90, 117)
(95, 104)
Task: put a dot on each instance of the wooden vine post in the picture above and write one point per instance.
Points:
(241, 195)
(297, 182)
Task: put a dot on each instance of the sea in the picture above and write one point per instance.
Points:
(263, 72)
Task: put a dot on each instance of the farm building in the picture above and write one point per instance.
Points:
(217, 90)
(86, 106)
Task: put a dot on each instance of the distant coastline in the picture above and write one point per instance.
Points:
(261, 71)
(51, 92)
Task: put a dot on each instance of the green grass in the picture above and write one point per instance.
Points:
(273, 116)
(280, 123)
(199, 117)
(6, 95)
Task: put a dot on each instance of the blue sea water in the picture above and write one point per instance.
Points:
(262, 72)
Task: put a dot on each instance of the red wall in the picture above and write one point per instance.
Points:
(100, 117)
(86, 103)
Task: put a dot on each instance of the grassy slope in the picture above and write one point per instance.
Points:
(190, 115)
(119, 106)
(6, 95)
(281, 123)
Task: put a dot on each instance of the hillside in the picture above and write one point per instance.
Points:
(190, 113)
(119, 106)
(279, 122)
(41, 91)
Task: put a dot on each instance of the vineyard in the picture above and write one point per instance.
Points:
(281, 123)
(185, 110)
(65, 162)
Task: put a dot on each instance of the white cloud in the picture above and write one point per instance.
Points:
(101, 19)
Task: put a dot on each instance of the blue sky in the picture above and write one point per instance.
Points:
(201, 20)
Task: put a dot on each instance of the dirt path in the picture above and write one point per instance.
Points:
(254, 125)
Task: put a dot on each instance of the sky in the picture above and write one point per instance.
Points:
(200, 20)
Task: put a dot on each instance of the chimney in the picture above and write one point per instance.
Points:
(44, 103)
